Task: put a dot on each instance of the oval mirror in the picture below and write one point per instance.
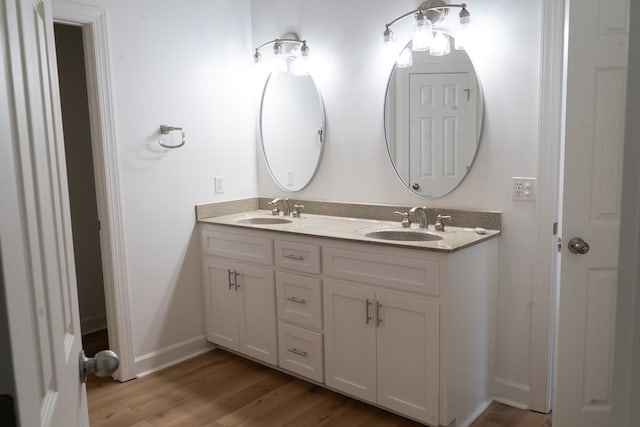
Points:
(292, 124)
(433, 121)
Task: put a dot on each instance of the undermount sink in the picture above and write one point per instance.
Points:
(263, 220)
(403, 235)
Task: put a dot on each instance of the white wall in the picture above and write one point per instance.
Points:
(182, 64)
(344, 41)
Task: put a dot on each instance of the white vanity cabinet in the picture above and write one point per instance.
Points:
(409, 330)
(240, 296)
(382, 344)
(383, 348)
(299, 304)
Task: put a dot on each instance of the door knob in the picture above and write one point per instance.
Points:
(103, 364)
(578, 246)
(416, 186)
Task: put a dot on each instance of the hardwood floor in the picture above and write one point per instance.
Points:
(499, 415)
(222, 389)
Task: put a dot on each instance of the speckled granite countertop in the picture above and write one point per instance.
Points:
(354, 229)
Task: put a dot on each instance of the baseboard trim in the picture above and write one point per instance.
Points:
(168, 356)
(476, 413)
(511, 403)
(92, 324)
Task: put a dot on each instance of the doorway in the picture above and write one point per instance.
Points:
(85, 222)
(91, 22)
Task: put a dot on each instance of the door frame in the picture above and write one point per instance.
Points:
(105, 163)
(547, 204)
(626, 374)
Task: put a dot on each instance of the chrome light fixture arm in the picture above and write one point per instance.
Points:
(438, 6)
(278, 46)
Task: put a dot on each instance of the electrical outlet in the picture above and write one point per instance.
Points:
(524, 189)
(219, 184)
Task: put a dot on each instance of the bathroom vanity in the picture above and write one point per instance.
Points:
(404, 325)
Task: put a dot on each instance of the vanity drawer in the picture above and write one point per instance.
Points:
(297, 256)
(299, 299)
(237, 246)
(300, 351)
(383, 269)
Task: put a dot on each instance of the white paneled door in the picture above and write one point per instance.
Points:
(438, 121)
(595, 100)
(37, 252)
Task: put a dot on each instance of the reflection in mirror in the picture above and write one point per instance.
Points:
(292, 129)
(433, 121)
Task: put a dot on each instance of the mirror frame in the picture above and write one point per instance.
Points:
(324, 135)
(481, 118)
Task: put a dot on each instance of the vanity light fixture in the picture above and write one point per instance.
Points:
(290, 54)
(429, 15)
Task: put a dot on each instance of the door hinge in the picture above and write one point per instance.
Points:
(559, 244)
(468, 94)
(99, 226)
(555, 228)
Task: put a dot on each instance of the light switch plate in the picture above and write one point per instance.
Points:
(219, 184)
(524, 189)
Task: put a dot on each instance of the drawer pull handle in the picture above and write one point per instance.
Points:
(378, 317)
(294, 257)
(298, 352)
(298, 300)
(367, 316)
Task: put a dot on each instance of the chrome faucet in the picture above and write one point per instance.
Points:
(406, 222)
(279, 201)
(421, 212)
(440, 225)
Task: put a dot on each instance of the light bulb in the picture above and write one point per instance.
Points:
(462, 32)
(387, 36)
(388, 45)
(257, 57)
(422, 33)
(440, 45)
(405, 59)
(299, 66)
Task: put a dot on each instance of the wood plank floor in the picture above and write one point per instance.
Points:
(221, 389)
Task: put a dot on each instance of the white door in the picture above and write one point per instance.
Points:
(438, 119)
(350, 340)
(221, 295)
(595, 100)
(35, 229)
(256, 291)
(408, 355)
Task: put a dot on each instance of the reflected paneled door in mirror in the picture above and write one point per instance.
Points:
(292, 127)
(433, 121)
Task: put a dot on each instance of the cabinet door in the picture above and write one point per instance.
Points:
(350, 340)
(408, 362)
(221, 310)
(257, 313)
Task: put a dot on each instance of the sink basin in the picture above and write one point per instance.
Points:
(403, 235)
(264, 220)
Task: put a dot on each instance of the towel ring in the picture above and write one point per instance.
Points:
(164, 130)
